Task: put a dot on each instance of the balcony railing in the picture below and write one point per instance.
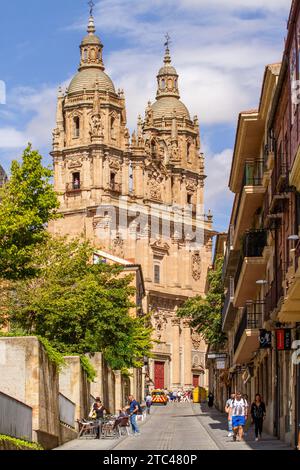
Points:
(253, 173)
(254, 243)
(73, 187)
(252, 319)
(253, 246)
(253, 176)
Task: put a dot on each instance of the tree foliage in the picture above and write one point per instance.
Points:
(80, 307)
(205, 313)
(27, 203)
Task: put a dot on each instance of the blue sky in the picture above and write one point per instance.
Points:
(219, 47)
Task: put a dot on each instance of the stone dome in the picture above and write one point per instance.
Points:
(87, 78)
(91, 39)
(167, 70)
(165, 107)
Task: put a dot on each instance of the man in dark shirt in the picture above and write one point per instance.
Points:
(133, 410)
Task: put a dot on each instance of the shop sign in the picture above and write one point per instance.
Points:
(265, 339)
(283, 339)
(220, 364)
(216, 356)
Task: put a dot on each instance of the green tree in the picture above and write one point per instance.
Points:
(205, 313)
(27, 203)
(80, 307)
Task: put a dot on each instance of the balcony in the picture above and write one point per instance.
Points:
(228, 311)
(250, 199)
(251, 266)
(115, 187)
(290, 308)
(74, 187)
(246, 340)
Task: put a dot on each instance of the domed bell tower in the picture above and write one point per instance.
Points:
(170, 139)
(90, 142)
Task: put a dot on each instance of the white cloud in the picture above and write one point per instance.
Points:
(12, 138)
(218, 198)
(271, 5)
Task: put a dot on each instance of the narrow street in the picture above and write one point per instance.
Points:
(180, 426)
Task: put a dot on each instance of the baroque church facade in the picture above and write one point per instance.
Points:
(139, 197)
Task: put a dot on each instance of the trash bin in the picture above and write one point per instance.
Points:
(196, 395)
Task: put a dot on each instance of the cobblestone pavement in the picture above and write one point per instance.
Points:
(180, 426)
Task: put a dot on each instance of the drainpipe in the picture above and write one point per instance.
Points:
(277, 369)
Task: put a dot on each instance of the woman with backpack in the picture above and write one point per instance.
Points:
(258, 414)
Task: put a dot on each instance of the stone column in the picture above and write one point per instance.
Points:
(97, 389)
(118, 390)
(200, 195)
(168, 190)
(187, 352)
(125, 177)
(175, 352)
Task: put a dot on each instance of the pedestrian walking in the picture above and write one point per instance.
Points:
(239, 416)
(228, 410)
(133, 411)
(148, 403)
(211, 400)
(258, 414)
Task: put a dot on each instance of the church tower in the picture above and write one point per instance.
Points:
(140, 199)
(90, 142)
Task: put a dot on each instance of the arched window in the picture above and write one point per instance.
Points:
(112, 181)
(157, 274)
(189, 151)
(163, 84)
(76, 127)
(85, 55)
(113, 128)
(76, 181)
(153, 148)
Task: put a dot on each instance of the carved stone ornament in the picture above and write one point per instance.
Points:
(149, 115)
(191, 186)
(154, 189)
(118, 245)
(159, 324)
(96, 128)
(160, 246)
(196, 340)
(74, 161)
(56, 136)
(114, 165)
(196, 266)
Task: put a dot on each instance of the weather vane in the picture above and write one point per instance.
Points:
(168, 40)
(91, 4)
